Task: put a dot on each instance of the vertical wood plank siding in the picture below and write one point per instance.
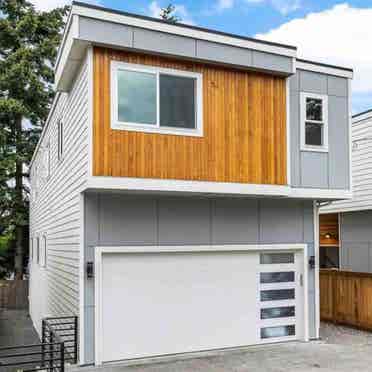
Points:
(346, 298)
(244, 120)
(328, 224)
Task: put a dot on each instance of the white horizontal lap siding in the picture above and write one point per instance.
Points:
(361, 171)
(56, 211)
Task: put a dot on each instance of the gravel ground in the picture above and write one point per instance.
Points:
(337, 334)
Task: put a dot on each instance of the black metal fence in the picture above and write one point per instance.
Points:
(29, 358)
(63, 329)
(59, 345)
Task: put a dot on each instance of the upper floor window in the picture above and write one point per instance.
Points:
(314, 122)
(152, 99)
(60, 139)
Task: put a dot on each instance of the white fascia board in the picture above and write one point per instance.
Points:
(361, 117)
(151, 185)
(185, 187)
(329, 70)
(325, 210)
(200, 248)
(320, 194)
(72, 33)
(181, 31)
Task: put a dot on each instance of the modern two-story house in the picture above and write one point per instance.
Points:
(347, 224)
(175, 187)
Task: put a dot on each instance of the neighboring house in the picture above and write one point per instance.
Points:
(175, 187)
(353, 218)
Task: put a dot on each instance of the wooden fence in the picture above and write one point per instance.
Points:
(13, 294)
(346, 298)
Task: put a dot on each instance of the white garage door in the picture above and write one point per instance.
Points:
(157, 303)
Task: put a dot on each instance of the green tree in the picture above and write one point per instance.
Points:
(168, 14)
(28, 49)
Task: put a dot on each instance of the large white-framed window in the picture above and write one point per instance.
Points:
(156, 100)
(314, 122)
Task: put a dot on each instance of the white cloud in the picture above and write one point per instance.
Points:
(49, 4)
(224, 4)
(154, 10)
(45, 5)
(286, 6)
(341, 35)
(283, 6)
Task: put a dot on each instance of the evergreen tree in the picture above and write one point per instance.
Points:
(168, 14)
(28, 49)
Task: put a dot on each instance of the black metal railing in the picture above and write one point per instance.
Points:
(58, 346)
(29, 358)
(62, 329)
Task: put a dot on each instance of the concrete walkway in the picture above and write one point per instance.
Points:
(288, 357)
(16, 329)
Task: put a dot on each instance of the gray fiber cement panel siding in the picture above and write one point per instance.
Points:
(115, 219)
(328, 170)
(105, 32)
(223, 53)
(356, 241)
(116, 35)
(163, 43)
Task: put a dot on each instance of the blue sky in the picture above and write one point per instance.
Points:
(335, 32)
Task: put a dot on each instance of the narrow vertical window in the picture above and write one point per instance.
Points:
(47, 160)
(43, 252)
(60, 139)
(314, 117)
(37, 250)
(31, 252)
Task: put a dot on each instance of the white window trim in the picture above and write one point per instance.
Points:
(43, 251)
(60, 139)
(324, 98)
(147, 128)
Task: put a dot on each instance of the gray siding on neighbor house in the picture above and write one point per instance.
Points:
(114, 219)
(115, 35)
(55, 206)
(361, 169)
(322, 170)
(356, 241)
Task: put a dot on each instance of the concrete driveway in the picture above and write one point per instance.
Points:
(299, 357)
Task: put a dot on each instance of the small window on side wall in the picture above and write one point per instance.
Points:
(43, 252)
(154, 99)
(60, 139)
(37, 250)
(314, 122)
(31, 250)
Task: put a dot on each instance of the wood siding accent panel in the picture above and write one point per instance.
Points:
(244, 128)
(328, 224)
